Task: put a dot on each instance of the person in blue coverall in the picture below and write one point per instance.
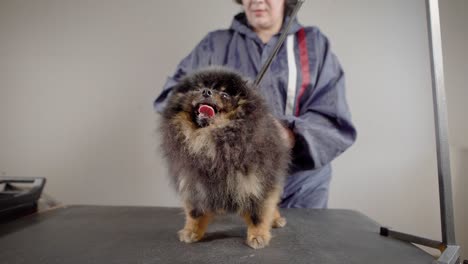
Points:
(304, 86)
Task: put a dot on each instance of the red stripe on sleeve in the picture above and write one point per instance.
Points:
(304, 59)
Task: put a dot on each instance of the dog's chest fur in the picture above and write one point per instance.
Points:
(234, 192)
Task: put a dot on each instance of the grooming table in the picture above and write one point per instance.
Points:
(106, 234)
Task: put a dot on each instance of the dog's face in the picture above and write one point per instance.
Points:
(212, 96)
(207, 101)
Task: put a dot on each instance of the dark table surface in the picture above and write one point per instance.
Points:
(106, 234)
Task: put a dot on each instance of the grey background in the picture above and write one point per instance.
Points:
(77, 81)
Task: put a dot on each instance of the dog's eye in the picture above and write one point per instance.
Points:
(225, 95)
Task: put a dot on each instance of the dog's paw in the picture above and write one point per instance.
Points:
(258, 241)
(188, 236)
(279, 222)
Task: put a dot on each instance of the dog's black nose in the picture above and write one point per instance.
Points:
(207, 93)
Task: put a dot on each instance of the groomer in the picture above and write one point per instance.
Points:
(305, 86)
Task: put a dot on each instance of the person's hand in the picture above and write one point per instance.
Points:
(286, 134)
(291, 137)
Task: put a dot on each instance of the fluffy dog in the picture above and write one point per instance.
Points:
(226, 153)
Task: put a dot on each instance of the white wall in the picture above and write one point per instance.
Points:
(454, 20)
(77, 80)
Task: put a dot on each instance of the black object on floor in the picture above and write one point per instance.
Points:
(19, 201)
(93, 234)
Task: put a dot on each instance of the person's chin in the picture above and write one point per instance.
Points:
(258, 22)
(262, 24)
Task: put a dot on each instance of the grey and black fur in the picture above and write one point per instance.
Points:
(234, 161)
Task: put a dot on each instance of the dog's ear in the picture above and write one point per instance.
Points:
(174, 103)
(245, 108)
(243, 88)
(249, 107)
(182, 87)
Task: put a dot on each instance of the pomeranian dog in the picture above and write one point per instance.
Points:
(226, 153)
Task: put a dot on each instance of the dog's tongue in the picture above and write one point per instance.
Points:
(206, 110)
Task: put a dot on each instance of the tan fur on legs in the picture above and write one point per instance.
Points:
(258, 236)
(194, 228)
(278, 221)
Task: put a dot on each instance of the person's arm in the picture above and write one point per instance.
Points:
(200, 56)
(323, 128)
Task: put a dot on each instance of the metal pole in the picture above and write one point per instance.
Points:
(441, 124)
